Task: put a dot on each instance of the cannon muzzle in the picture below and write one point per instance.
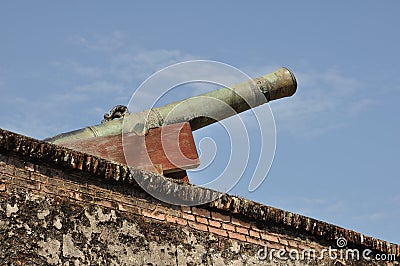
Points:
(200, 110)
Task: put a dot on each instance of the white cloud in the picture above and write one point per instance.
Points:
(141, 64)
(324, 101)
(311, 206)
(100, 87)
(79, 68)
(377, 216)
(84, 89)
(109, 42)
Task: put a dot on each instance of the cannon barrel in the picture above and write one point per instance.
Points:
(200, 110)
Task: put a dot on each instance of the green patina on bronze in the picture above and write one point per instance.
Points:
(200, 111)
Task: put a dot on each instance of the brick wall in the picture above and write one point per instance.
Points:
(53, 213)
(209, 236)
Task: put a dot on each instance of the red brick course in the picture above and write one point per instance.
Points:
(242, 230)
(186, 209)
(214, 223)
(220, 217)
(39, 177)
(218, 231)
(237, 236)
(201, 227)
(7, 169)
(188, 217)
(201, 212)
(132, 209)
(154, 215)
(256, 241)
(255, 234)
(240, 222)
(292, 243)
(229, 227)
(176, 220)
(201, 220)
(269, 238)
(283, 242)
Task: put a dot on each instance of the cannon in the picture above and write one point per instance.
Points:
(199, 111)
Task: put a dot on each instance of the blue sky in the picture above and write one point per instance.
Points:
(63, 65)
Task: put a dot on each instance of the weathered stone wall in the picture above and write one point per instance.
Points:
(58, 213)
(50, 219)
(40, 230)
